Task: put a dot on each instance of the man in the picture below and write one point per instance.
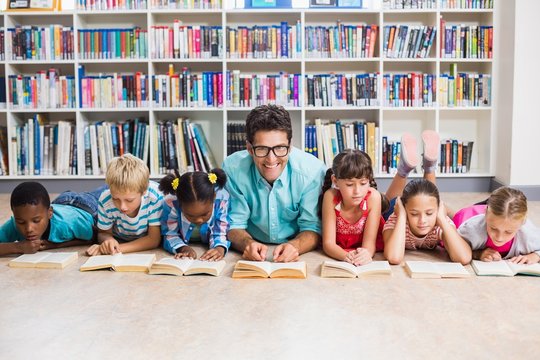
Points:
(274, 190)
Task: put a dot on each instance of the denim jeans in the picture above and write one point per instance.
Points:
(87, 201)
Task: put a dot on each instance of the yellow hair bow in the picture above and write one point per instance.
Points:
(212, 178)
(175, 183)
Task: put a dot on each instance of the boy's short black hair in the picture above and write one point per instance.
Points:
(30, 193)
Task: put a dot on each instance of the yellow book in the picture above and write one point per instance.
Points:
(266, 269)
(120, 262)
(45, 260)
(179, 267)
(435, 270)
(343, 269)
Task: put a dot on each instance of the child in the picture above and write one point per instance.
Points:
(197, 203)
(419, 219)
(500, 229)
(37, 225)
(129, 211)
(351, 209)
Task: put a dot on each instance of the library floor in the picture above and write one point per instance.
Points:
(66, 314)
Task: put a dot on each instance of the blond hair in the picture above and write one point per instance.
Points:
(508, 203)
(127, 173)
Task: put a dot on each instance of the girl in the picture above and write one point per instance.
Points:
(196, 206)
(419, 220)
(351, 209)
(500, 229)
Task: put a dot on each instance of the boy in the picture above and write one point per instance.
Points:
(129, 212)
(37, 225)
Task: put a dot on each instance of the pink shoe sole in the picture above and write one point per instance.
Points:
(408, 150)
(431, 144)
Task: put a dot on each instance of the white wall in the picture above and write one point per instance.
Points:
(525, 167)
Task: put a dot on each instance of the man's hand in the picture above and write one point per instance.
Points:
(214, 254)
(490, 255)
(358, 257)
(531, 258)
(29, 246)
(186, 252)
(286, 253)
(255, 251)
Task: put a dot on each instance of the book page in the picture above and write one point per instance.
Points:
(31, 258)
(494, 268)
(526, 269)
(380, 267)
(182, 264)
(206, 267)
(99, 262)
(450, 269)
(143, 260)
(298, 265)
(60, 257)
(421, 267)
(265, 266)
(342, 265)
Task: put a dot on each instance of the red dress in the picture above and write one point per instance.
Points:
(349, 236)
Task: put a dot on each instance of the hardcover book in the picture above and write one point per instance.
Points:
(266, 269)
(343, 269)
(45, 260)
(435, 270)
(504, 268)
(179, 267)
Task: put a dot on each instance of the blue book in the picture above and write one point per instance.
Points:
(284, 39)
(263, 3)
(37, 146)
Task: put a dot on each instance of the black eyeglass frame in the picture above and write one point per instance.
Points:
(268, 148)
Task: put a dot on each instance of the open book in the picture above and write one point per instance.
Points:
(172, 266)
(45, 260)
(504, 268)
(266, 269)
(343, 269)
(120, 262)
(435, 270)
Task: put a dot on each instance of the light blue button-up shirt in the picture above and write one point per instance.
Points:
(274, 214)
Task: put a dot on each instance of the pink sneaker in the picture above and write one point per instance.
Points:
(408, 151)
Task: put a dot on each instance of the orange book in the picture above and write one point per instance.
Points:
(390, 40)
(373, 40)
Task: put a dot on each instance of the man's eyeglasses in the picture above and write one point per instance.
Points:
(263, 151)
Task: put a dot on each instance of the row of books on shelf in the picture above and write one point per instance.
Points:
(236, 137)
(341, 41)
(113, 90)
(325, 140)
(466, 42)
(182, 145)
(342, 90)
(250, 90)
(126, 43)
(105, 140)
(46, 89)
(456, 156)
(186, 42)
(409, 90)
(275, 41)
(52, 42)
(432, 4)
(187, 89)
(466, 4)
(40, 148)
(408, 41)
(96, 5)
(465, 90)
(93, 5)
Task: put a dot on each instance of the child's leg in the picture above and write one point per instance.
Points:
(408, 160)
(430, 155)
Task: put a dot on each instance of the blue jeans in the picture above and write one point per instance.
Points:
(390, 210)
(87, 201)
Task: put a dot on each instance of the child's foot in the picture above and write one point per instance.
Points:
(430, 156)
(408, 158)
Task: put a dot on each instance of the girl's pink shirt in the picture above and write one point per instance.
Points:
(465, 214)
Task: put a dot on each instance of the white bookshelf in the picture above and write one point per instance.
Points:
(470, 123)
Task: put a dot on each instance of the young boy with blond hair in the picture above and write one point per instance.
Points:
(129, 211)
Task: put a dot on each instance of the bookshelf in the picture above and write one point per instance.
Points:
(472, 123)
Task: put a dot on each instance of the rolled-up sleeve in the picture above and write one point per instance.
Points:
(170, 226)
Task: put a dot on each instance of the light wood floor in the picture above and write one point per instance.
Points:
(66, 314)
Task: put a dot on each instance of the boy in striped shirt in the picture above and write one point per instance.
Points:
(129, 211)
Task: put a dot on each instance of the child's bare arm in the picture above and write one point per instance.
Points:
(46, 244)
(20, 247)
(394, 239)
(330, 247)
(531, 258)
(148, 242)
(457, 248)
(373, 221)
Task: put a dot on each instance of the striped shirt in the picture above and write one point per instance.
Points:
(130, 228)
(177, 231)
(413, 242)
